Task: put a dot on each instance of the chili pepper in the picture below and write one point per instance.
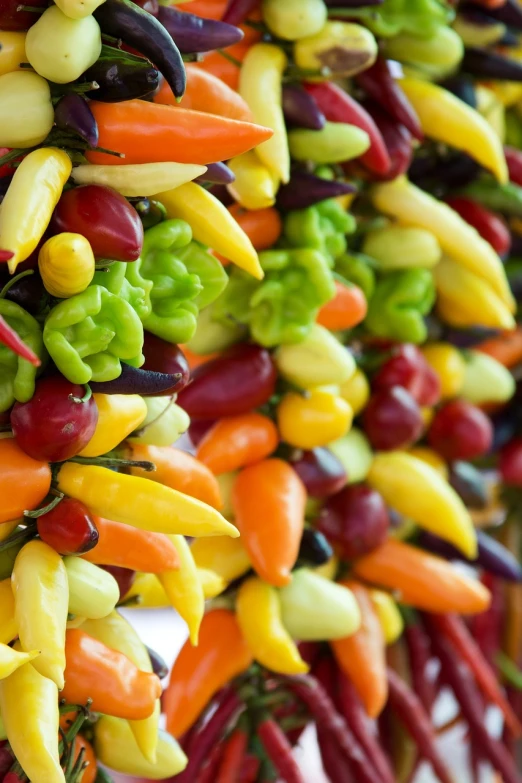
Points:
(206, 92)
(237, 441)
(402, 247)
(178, 470)
(269, 504)
(116, 686)
(378, 82)
(233, 755)
(305, 190)
(419, 654)
(314, 549)
(322, 227)
(258, 613)
(333, 762)
(315, 608)
(415, 207)
(279, 751)
(183, 588)
(262, 226)
(300, 108)
(116, 747)
(514, 163)
(389, 615)
(194, 34)
(254, 185)
(399, 478)
(9, 630)
(283, 22)
(211, 767)
(118, 416)
(139, 502)
(77, 9)
(504, 198)
(30, 200)
(93, 592)
(343, 48)
(411, 712)
(27, 111)
(223, 556)
(164, 423)
(460, 679)
(29, 707)
(41, 598)
(199, 672)
(490, 65)
(212, 224)
(347, 309)
(497, 383)
(10, 339)
(129, 547)
(335, 143)
(424, 581)
(122, 127)
(398, 304)
(490, 226)
(121, 79)
(139, 179)
(218, 174)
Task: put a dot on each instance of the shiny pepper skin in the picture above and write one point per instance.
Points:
(66, 264)
(312, 420)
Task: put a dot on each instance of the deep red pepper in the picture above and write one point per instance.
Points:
(249, 769)
(338, 106)
(490, 226)
(380, 85)
(232, 758)
(279, 751)
(10, 338)
(514, 164)
(397, 138)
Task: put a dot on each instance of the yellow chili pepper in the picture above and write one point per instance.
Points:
(414, 207)
(255, 187)
(258, 613)
(26, 110)
(29, 707)
(356, 391)
(418, 492)
(389, 616)
(118, 416)
(465, 299)
(118, 634)
(313, 420)
(8, 626)
(318, 360)
(12, 51)
(446, 118)
(66, 264)
(492, 109)
(449, 365)
(212, 584)
(93, 592)
(141, 503)
(431, 458)
(212, 225)
(293, 19)
(6, 528)
(11, 659)
(149, 592)
(116, 747)
(78, 9)
(138, 179)
(41, 595)
(184, 589)
(30, 200)
(225, 556)
(260, 84)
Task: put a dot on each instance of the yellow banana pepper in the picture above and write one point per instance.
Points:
(41, 596)
(260, 84)
(465, 299)
(414, 207)
(138, 179)
(212, 584)
(93, 592)
(148, 591)
(118, 634)
(491, 108)
(116, 747)
(255, 186)
(141, 503)
(258, 613)
(418, 492)
(29, 707)
(118, 416)
(8, 626)
(432, 458)
(30, 201)
(212, 225)
(11, 659)
(225, 556)
(12, 51)
(184, 589)
(66, 264)
(389, 616)
(446, 118)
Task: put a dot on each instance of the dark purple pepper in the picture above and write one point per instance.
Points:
(218, 174)
(305, 189)
(159, 666)
(134, 380)
(73, 113)
(492, 556)
(490, 65)
(300, 108)
(238, 10)
(119, 81)
(320, 470)
(469, 483)
(194, 34)
(467, 338)
(29, 292)
(314, 549)
(135, 27)
(510, 13)
(166, 358)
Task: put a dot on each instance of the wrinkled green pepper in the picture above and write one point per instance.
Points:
(88, 334)
(283, 307)
(418, 17)
(124, 280)
(399, 302)
(322, 226)
(357, 268)
(17, 375)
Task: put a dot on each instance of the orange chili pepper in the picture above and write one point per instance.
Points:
(347, 309)
(224, 69)
(149, 133)
(24, 481)
(506, 348)
(237, 441)
(269, 505)
(178, 470)
(199, 672)
(91, 771)
(205, 92)
(116, 686)
(262, 226)
(424, 581)
(129, 547)
(362, 656)
(209, 9)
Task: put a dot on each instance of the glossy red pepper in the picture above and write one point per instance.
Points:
(490, 226)
(397, 138)
(379, 84)
(514, 164)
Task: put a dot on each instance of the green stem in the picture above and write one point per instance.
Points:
(114, 462)
(23, 535)
(39, 512)
(229, 57)
(15, 279)
(510, 670)
(86, 397)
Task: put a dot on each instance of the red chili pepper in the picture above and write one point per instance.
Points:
(489, 225)
(419, 655)
(334, 763)
(397, 138)
(232, 758)
(514, 164)
(249, 769)
(338, 106)
(6, 255)
(279, 751)
(10, 338)
(380, 85)
(208, 773)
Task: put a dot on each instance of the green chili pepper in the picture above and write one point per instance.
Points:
(282, 307)
(357, 268)
(418, 17)
(89, 333)
(399, 302)
(502, 198)
(322, 226)
(17, 375)
(334, 143)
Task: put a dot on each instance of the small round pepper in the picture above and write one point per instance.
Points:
(313, 419)
(66, 264)
(449, 365)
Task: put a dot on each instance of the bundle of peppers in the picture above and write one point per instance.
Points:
(260, 360)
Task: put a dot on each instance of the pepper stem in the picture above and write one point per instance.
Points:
(114, 462)
(15, 279)
(39, 512)
(86, 397)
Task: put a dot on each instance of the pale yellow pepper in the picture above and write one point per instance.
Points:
(8, 626)
(255, 186)
(389, 615)
(138, 179)
(12, 51)
(118, 416)
(184, 589)
(225, 556)
(93, 592)
(212, 584)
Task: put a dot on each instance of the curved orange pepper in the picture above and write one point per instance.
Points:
(24, 481)
(237, 441)
(129, 547)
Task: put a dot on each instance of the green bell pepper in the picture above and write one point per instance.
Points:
(323, 227)
(88, 334)
(17, 375)
(124, 280)
(357, 268)
(418, 17)
(283, 306)
(399, 302)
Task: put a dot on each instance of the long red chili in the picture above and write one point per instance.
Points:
(249, 769)
(11, 339)
(208, 773)
(279, 751)
(334, 763)
(232, 759)
(419, 654)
